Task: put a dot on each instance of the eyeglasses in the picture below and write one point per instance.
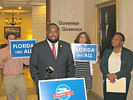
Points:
(116, 40)
(11, 38)
(82, 37)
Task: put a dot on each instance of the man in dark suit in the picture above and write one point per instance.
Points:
(42, 57)
(108, 31)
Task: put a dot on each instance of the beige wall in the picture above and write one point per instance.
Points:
(26, 26)
(68, 11)
(126, 27)
(90, 27)
(84, 11)
(39, 22)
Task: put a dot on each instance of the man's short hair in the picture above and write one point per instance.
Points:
(53, 24)
(11, 34)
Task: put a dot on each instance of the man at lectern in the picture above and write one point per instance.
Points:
(51, 52)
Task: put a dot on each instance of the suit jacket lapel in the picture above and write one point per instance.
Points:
(49, 51)
(123, 57)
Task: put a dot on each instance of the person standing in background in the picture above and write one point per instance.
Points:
(51, 52)
(116, 63)
(84, 69)
(13, 80)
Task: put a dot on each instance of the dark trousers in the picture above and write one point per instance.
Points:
(37, 92)
(113, 95)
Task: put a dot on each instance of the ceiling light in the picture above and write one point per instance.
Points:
(1, 7)
(13, 20)
(19, 7)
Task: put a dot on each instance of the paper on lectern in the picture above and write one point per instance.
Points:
(119, 86)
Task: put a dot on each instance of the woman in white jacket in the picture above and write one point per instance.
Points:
(84, 69)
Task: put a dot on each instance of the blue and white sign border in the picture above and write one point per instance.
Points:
(85, 44)
(21, 40)
(63, 84)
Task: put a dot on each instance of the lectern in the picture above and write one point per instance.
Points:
(62, 89)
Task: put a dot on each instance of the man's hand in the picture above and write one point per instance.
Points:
(8, 57)
(4, 61)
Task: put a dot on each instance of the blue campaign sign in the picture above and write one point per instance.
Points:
(84, 52)
(62, 89)
(21, 48)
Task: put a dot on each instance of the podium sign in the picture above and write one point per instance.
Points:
(62, 89)
(84, 52)
(21, 48)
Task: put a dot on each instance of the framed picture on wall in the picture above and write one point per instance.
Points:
(16, 30)
(107, 23)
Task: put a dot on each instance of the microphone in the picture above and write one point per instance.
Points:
(49, 70)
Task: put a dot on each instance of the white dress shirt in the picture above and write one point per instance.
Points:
(56, 46)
